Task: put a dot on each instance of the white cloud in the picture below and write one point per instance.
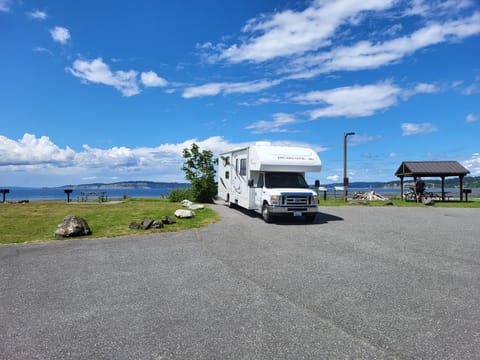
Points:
(294, 32)
(60, 34)
(473, 164)
(96, 71)
(374, 54)
(277, 125)
(38, 14)
(213, 89)
(426, 88)
(40, 49)
(30, 150)
(151, 79)
(351, 101)
(471, 118)
(5, 5)
(333, 178)
(33, 157)
(417, 129)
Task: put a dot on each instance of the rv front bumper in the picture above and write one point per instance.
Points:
(291, 210)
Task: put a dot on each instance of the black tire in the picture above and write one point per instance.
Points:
(229, 203)
(267, 216)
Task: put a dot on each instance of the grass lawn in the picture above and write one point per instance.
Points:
(475, 203)
(37, 220)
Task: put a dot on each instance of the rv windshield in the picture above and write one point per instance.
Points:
(285, 180)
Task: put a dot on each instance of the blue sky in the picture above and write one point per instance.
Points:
(104, 91)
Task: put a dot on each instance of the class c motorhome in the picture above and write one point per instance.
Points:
(269, 179)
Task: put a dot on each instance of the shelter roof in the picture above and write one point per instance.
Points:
(431, 169)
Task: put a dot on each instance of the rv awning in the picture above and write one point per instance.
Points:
(440, 169)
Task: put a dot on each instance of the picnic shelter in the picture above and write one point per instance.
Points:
(441, 169)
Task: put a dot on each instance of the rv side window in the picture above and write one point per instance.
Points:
(243, 167)
(227, 174)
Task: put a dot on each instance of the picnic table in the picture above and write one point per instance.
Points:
(100, 196)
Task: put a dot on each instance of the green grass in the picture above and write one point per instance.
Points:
(37, 220)
(475, 203)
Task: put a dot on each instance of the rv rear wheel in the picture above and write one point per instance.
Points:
(229, 203)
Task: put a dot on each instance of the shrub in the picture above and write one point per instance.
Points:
(178, 195)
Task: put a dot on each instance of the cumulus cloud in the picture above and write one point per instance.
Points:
(60, 34)
(473, 164)
(417, 129)
(30, 150)
(97, 72)
(39, 156)
(151, 79)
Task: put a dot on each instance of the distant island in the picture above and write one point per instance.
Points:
(453, 182)
(468, 182)
(128, 185)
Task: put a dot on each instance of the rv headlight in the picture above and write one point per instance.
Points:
(275, 199)
(315, 199)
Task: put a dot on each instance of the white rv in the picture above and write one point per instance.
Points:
(269, 179)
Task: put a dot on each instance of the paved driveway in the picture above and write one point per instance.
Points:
(359, 283)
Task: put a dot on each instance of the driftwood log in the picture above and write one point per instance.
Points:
(368, 195)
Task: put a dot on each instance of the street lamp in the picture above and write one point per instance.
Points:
(345, 178)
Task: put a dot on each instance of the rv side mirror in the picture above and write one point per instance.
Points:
(250, 182)
(317, 183)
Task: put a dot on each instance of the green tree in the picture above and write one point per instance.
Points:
(200, 171)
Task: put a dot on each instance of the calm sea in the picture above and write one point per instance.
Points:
(22, 193)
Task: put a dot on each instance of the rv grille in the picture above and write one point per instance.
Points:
(298, 200)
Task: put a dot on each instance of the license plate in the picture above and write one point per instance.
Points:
(297, 213)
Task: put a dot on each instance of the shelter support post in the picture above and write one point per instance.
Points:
(443, 188)
(401, 187)
(461, 187)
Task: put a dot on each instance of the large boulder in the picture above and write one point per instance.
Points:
(72, 226)
(184, 214)
(146, 223)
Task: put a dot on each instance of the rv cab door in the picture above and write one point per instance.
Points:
(258, 191)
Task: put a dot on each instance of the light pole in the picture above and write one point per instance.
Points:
(345, 178)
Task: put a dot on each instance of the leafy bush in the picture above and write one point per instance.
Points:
(178, 195)
(200, 171)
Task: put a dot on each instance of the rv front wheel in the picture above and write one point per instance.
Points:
(267, 217)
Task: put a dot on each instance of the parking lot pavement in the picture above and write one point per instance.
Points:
(359, 283)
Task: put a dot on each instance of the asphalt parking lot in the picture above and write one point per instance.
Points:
(359, 283)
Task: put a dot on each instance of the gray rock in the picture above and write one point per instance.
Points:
(429, 202)
(186, 203)
(135, 226)
(167, 220)
(196, 207)
(72, 226)
(146, 223)
(184, 214)
(156, 225)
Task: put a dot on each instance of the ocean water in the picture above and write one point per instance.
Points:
(31, 194)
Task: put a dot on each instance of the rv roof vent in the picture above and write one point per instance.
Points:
(263, 143)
